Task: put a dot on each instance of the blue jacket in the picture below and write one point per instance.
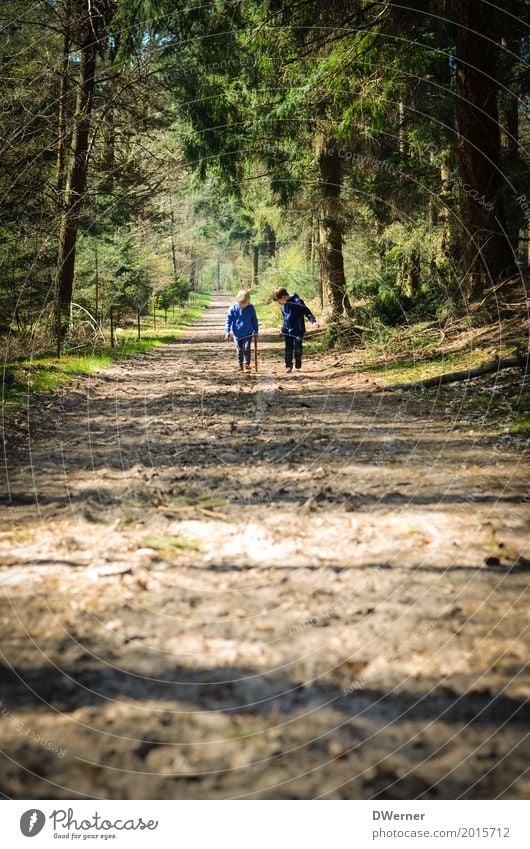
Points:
(294, 314)
(241, 321)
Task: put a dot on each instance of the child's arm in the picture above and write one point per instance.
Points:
(305, 310)
(308, 314)
(286, 316)
(229, 322)
(254, 319)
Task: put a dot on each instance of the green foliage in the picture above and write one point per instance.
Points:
(176, 293)
(207, 122)
(289, 271)
(124, 270)
(521, 427)
(26, 375)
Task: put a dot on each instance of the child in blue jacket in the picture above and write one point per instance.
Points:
(242, 323)
(294, 313)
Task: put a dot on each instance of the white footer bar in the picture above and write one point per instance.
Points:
(265, 824)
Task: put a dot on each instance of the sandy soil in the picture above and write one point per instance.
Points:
(267, 586)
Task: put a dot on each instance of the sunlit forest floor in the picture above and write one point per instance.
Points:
(262, 586)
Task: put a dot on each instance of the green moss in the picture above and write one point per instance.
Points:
(136, 499)
(170, 545)
(521, 427)
(17, 537)
(405, 370)
(314, 346)
(243, 731)
(206, 501)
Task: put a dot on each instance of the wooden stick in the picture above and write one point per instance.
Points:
(256, 353)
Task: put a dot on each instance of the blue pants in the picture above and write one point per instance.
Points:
(243, 349)
(293, 344)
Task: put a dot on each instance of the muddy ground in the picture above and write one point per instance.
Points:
(269, 586)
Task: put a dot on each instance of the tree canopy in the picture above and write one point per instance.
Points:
(386, 146)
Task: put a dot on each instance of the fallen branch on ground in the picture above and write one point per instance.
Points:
(522, 362)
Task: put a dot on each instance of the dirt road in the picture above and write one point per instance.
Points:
(267, 586)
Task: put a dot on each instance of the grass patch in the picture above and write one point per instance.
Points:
(207, 501)
(136, 499)
(210, 502)
(418, 352)
(45, 372)
(243, 731)
(171, 545)
(314, 344)
(521, 427)
(432, 364)
(17, 537)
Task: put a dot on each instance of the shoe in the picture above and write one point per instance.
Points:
(288, 370)
(298, 366)
(248, 367)
(241, 369)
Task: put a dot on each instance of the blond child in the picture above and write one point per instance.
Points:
(242, 324)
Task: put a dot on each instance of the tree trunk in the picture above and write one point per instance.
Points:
(450, 243)
(445, 213)
(313, 239)
(508, 100)
(172, 240)
(402, 144)
(308, 250)
(401, 275)
(77, 175)
(322, 289)
(408, 276)
(269, 237)
(486, 250)
(413, 280)
(61, 114)
(109, 128)
(96, 281)
(255, 266)
(509, 137)
(330, 229)
(334, 279)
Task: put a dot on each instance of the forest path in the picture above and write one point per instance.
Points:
(261, 586)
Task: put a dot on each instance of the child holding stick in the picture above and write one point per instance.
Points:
(242, 324)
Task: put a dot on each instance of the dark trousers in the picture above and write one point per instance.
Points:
(243, 349)
(293, 344)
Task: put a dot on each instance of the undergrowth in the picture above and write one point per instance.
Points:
(24, 376)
